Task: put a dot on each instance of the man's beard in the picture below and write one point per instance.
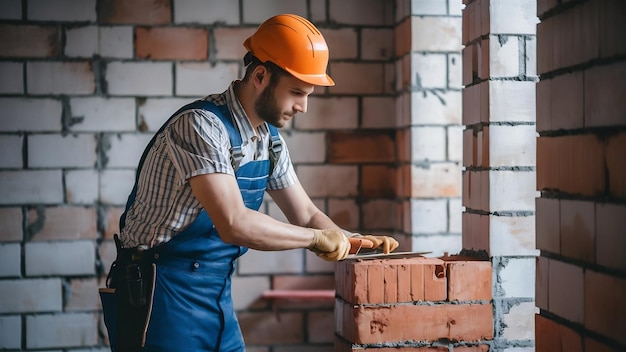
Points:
(267, 109)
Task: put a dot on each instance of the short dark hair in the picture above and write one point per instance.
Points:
(252, 62)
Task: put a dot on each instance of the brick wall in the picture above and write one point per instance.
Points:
(85, 84)
(581, 121)
(499, 147)
(429, 132)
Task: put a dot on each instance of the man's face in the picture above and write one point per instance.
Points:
(282, 99)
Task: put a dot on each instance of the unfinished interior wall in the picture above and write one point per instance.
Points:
(85, 84)
(499, 76)
(581, 173)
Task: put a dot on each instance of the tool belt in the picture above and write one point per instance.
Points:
(128, 297)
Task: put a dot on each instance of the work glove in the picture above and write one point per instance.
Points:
(389, 243)
(331, 245)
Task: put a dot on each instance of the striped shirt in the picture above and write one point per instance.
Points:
(193, 143)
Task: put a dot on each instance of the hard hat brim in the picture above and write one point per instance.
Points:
(314, 79)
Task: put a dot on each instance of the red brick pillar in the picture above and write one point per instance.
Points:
(413, 304)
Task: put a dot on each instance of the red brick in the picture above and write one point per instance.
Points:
(358, 147)
(571, 164)
(596, 346)
(566, 97)
(112, 220)
(80, 295)
(379, 181)
(468, 279)
(547, 170)
(612, 14)
(391, 283)
(605, 311)
(397, 323)
(587, 153)
(545, 33)
(63, 223)
(547, 222)
(11, 220)
(171, 43)
(605, 105)
(616, 165)
(375, 284)
(610, 238)
(416, 279)
(544, 105)
(134, 12)
(25, 41)
(550, 336)
(577, 219)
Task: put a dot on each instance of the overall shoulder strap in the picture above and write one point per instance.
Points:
(222, 113)
(276, 147)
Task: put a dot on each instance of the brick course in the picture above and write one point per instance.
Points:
(407, 301)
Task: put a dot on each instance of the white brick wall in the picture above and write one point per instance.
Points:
(257, 11)
(30, 295)
(81, 186)
(102, 114)
(11, 9)
(59, 258)
(11, 73)
(126, 149)
(35, 115)
(24, 187)
(110, 42)
(46, 151)
(200, 79)
(61, 330)
(62, 10)
(115, 186)
(11, 147)
(206, 11)
(153, 112)
(139, 78)
(10, 260)
(59, 78)
(10, 331)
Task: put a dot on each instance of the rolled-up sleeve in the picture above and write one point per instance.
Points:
(198, 144)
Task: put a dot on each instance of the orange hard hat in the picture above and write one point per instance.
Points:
(295, 45)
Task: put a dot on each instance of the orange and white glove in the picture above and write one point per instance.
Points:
(331, 245)
(389, 243)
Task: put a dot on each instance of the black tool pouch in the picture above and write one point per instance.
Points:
(131, 282)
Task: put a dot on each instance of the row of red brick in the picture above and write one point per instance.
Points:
(404, 300)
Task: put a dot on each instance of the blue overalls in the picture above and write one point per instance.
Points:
(192, 308)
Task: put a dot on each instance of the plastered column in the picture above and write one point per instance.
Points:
(499, 80)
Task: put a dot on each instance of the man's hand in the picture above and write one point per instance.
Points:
(331, 245)
(389, 243)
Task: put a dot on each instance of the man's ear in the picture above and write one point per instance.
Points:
(259, 74)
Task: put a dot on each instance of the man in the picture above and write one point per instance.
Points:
(200, 183)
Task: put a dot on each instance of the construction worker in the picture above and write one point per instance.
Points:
(194, 207)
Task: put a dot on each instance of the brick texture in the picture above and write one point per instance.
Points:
(410, 299)
(171, 43)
